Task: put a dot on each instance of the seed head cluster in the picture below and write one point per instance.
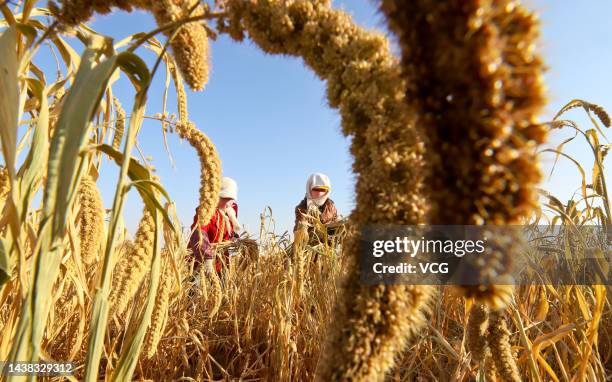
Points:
(210, 169)
(477, 339)
(119, 123)
(74, 12)
(159, 316)
(599, 111)
(492, 273)
(476, 332)
(181, 95)
(189, 44)
(5, 185)
(210, 164)
(499, 341)
(476, 81)
(133, 265)
(211, 294)
(90, 219)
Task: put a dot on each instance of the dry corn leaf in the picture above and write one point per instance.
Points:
(9, 97)
(543, 306)
(546, 340)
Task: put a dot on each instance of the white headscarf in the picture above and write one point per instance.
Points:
(231, 214)
(316, 180)
(229, 188)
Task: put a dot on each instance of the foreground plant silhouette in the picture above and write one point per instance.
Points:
(403, 126)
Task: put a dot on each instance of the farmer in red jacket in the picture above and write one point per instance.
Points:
(223, 226)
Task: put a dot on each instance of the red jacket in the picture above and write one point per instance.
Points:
(209, 233)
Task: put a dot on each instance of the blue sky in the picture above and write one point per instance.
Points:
(268, 118)
(575, 44)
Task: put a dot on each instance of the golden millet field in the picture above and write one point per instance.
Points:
(75, 288)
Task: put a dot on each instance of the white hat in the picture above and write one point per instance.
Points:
(229, 188)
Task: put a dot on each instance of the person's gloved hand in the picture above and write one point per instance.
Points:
(208, 266)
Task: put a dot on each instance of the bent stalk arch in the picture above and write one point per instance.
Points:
(487, 129)
(363, 79)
